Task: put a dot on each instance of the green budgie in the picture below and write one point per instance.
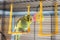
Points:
(22, 25)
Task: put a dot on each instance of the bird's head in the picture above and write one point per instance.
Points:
(28, 19)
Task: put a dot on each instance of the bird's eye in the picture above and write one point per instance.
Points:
(30, 19)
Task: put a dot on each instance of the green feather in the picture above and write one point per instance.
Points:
(22, 25)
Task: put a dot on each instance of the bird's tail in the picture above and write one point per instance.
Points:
(17, 37)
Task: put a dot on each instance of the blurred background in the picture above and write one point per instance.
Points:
(20, 9)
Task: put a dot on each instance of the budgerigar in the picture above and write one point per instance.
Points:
(22, 25)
